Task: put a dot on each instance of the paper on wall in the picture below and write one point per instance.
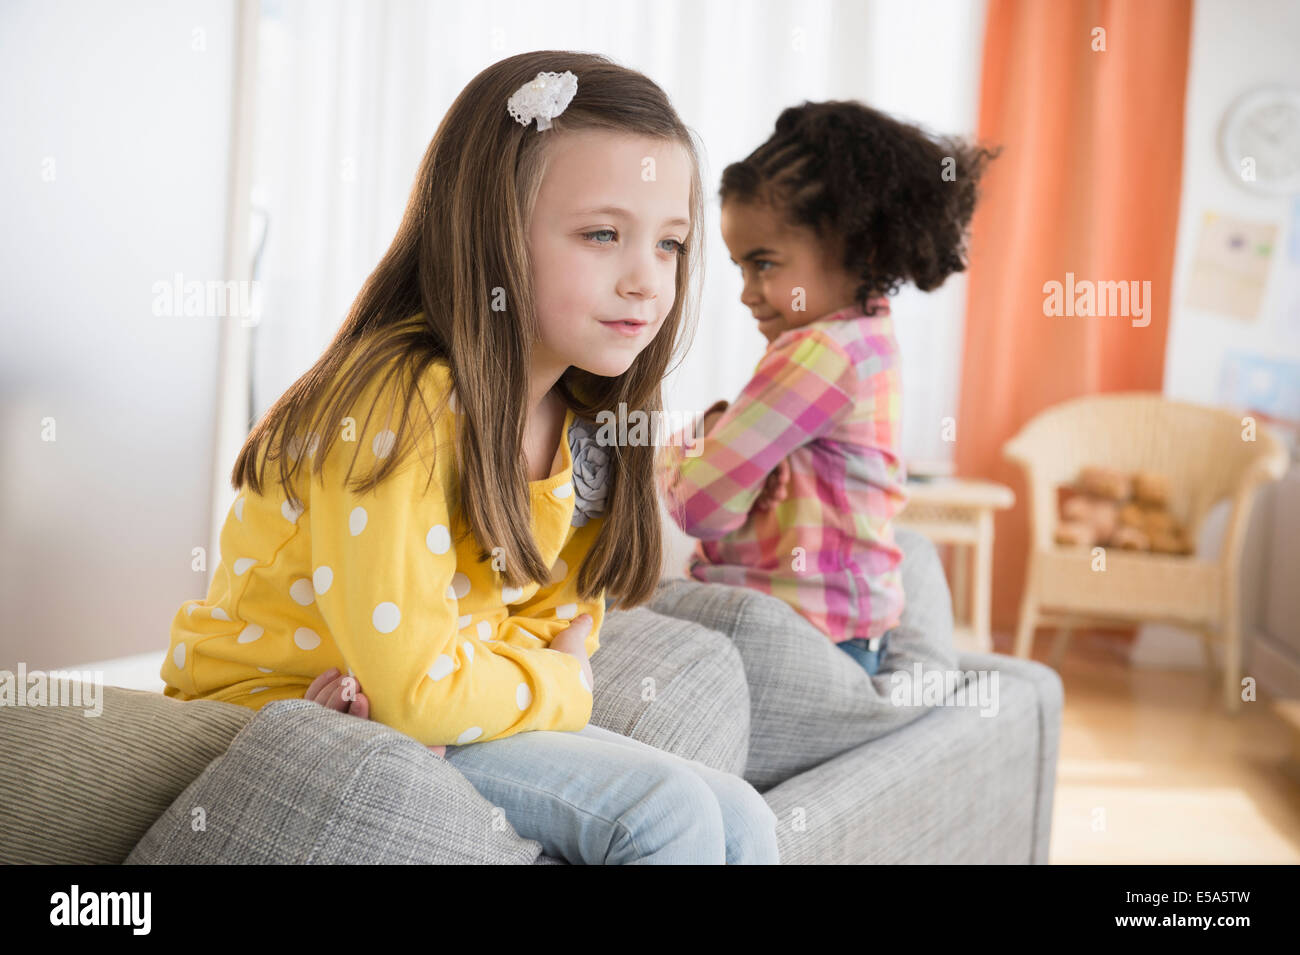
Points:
(1230, 269)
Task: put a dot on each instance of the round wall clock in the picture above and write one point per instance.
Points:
(1260, 139)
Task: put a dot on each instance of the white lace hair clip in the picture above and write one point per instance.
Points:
(543, 98)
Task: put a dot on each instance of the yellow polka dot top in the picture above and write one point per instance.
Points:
(387, 586)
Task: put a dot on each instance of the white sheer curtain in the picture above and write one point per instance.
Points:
(350, 94)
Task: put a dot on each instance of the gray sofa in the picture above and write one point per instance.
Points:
(153, 780)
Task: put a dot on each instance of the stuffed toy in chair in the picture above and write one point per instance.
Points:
(1111, 508)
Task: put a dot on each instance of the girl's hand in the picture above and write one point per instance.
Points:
(338, 692)
(343, 693)
(774, 488)
(573, 641)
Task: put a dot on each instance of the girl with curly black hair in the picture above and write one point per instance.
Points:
(793, 487)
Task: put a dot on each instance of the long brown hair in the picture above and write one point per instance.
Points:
(462, 238)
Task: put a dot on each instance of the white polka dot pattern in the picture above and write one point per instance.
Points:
(382, 445)
(386, 617)
(302, 592)
(438, 539)
(381, 577)
(441, 667)
(322, 579)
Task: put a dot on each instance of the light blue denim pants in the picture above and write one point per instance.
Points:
(867, 656)
(596, 797)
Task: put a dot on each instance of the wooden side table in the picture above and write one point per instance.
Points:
(959, 512)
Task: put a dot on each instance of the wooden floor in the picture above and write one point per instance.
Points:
(1153, 770)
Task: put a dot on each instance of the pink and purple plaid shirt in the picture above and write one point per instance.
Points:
(828, 397)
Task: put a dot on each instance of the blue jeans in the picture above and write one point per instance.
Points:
(595, 797)
(860, 650)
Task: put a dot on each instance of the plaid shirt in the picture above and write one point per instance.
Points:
(827, 397)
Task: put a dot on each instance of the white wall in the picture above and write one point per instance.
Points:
(1236, 46)
(925, 67)
(98, 525)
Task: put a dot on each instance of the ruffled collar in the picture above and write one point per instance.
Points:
(591, 468)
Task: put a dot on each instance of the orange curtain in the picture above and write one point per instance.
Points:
(1088, 183)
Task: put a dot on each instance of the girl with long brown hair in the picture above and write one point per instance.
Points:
(455, 588)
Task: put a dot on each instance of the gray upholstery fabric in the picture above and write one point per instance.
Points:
(671, 684)
(296, 782)
(364, 793)
(809, 700)
(304, 784)
(950, 787)
(78, 790)
(674, 685)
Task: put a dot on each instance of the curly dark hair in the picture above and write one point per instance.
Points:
(896, 200)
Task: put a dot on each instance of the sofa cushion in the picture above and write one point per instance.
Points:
(809, 700)
(666, 682)
(674, 685)
(671, 684)
(963, 784)
(358, 792)
(364, 793)
(82, 790)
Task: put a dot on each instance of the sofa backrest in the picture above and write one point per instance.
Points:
(79, 789)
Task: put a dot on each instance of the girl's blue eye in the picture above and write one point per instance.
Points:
(679, 247)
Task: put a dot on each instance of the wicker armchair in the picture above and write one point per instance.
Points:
(1206, 458)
